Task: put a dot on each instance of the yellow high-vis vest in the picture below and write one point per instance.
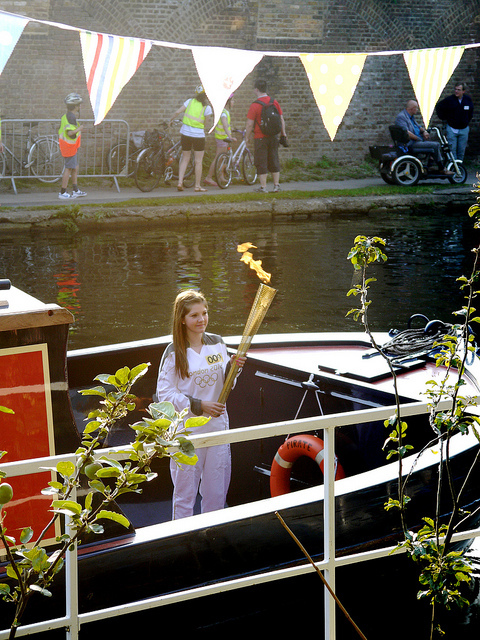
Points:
(68, 146)
(194, 115)
(219, 129)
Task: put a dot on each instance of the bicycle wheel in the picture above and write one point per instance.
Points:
(117, 160)
(149, 169)
(223, 172)
(249, 169)
(45, 160)
(171, 164)
(189, 177)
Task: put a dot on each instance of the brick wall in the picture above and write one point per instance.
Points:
(47, 62)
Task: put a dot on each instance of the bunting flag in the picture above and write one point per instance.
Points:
(222, 71)
(430, 70)
(110, 62)
(11, 28)
(333, 79)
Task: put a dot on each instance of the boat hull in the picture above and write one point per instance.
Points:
(246, 540)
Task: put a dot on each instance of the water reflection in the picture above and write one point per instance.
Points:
(120, 283)
(69, 285)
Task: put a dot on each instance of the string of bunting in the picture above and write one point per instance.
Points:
(110, 61)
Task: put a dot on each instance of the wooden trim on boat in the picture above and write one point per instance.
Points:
(49, 316)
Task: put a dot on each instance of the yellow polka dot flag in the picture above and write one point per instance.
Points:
(333, 79)
(430, 70)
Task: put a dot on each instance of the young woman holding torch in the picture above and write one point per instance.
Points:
(191, 375)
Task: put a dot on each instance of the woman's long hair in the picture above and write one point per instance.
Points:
(201, 97)
(182, 305)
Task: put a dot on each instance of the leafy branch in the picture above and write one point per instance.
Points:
(442, 570)
(162, 433)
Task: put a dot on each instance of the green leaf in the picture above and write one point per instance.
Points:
(92, 426)
(95, 391)
(67, 506)
(26, 535)
(162, 409)
(66, 469)
(139, 371)
(183, 459)
(122, 377)
(108, 472)
(197, 421)
(88, 500)
(116, 517)
(11, 573)
(42, 590)
(6, 409)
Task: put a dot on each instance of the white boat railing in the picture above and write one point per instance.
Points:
(73, 620)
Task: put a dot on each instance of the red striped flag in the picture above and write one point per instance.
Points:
(110, 62)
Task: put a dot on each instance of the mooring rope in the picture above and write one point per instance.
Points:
(416, 342)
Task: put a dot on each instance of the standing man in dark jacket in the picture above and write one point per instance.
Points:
(457, 110)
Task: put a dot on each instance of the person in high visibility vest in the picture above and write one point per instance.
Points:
(223, 132)
(69, 140)
(196, 113)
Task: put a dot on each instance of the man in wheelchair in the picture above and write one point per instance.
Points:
(417, 138)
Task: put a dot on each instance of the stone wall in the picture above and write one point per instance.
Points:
(47, 64)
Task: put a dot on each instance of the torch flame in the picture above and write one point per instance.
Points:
(259, 308)
(256, 265)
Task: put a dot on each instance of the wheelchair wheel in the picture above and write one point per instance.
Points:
(406, 172)
(387, 178)
(457, 179)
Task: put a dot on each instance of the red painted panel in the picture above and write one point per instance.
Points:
(28, 433)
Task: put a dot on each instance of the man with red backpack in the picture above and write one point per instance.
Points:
(265, 120)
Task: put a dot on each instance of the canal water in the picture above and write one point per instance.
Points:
(120, 282)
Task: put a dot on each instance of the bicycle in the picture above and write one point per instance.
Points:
(228, 164)
(162, 160)
(117, 161)
(43, 155)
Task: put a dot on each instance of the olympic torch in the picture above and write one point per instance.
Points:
(261, 304)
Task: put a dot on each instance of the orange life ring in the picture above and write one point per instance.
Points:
(291, 450)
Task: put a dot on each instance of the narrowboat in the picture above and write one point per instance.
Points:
(297, 386)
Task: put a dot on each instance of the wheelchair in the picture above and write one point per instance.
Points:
(398, 166)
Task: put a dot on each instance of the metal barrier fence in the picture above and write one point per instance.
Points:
(31, 150)
(73, 619)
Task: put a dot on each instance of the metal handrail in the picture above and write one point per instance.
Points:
(93, 156)
(73, 619)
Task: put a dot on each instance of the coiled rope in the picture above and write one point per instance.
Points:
(416, 342)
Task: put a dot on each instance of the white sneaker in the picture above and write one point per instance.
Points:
(78, 194)
(64, 196)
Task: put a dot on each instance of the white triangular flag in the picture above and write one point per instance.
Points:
(222, 71)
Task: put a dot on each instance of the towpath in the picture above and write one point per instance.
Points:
(43, 207)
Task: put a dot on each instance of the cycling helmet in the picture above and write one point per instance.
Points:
(73, 98)
(199, 89)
